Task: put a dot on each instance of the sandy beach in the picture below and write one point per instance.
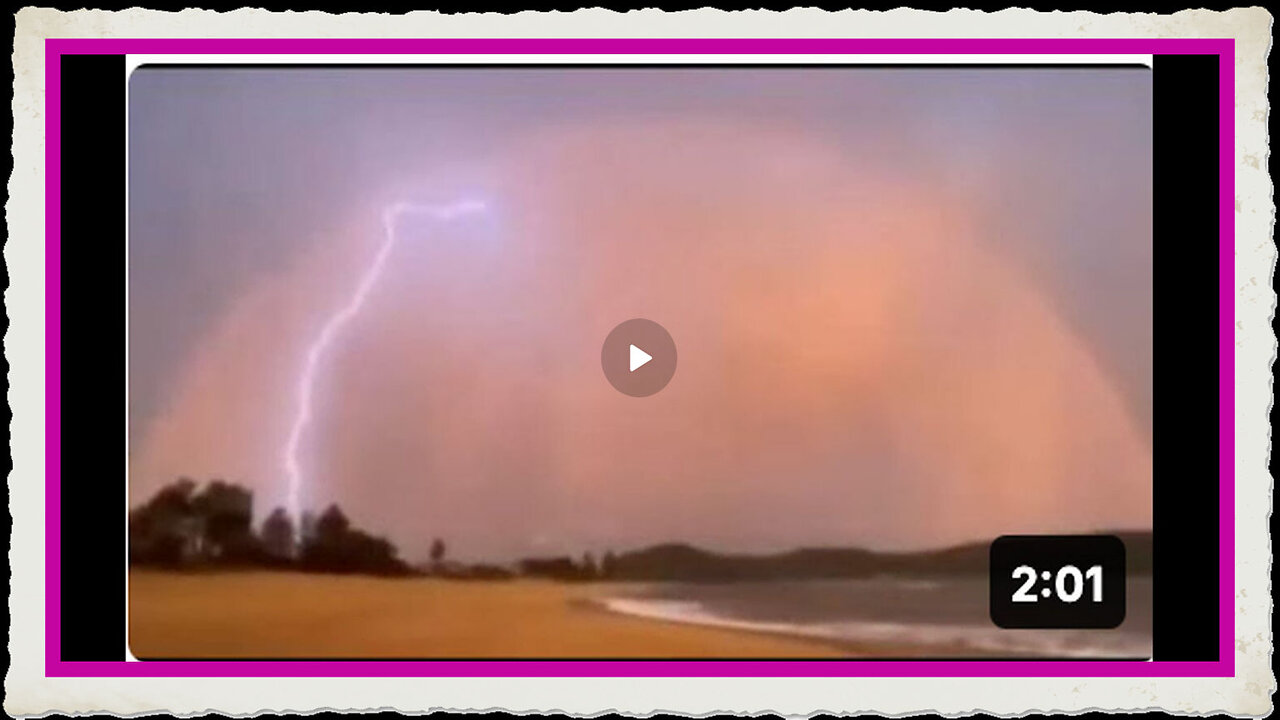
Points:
(296, 615)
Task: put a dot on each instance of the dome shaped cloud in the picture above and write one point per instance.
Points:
(858, 363)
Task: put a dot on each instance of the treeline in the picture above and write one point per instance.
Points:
(565, 568)
(182, 527)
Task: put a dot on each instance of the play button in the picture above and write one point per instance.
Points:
(638, 357)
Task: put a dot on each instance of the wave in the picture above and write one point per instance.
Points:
(947, 640)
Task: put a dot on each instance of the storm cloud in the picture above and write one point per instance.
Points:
(911, 307)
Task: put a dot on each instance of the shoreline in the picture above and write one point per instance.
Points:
(857, 638)
(847, 647)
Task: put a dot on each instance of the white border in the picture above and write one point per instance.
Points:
(30, 692)
(132, 62)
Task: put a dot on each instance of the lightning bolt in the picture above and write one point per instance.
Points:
(333, 326)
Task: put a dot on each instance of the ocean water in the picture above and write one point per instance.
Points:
(926, 618)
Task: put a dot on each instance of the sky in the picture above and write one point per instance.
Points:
(912, 306)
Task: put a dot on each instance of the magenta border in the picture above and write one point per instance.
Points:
(55, 48)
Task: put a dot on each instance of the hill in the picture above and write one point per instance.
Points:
(686, 563)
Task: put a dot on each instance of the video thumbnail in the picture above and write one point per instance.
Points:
(636, 362)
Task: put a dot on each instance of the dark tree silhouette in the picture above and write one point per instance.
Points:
(227, 513)
(437, 551)
(165, 530)
(589, 569)
(278, 536)
(331, 525)
(168, 505)
(608, 564)
(337, 547)
(179, 527)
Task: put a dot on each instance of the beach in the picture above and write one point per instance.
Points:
(254, 614)
(267, 615)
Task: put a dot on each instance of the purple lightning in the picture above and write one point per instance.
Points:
(306, 383)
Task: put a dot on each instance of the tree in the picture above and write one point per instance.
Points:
(226, 511)
(178, 527)
(335, 546)
(277, 535)
(171, 501)
(160, 529)
(437, 552)
(589, 569)
(331, 525)
(325, 545)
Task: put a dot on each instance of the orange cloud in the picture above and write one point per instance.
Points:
(857, 364)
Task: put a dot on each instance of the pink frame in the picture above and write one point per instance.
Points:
(55, 667)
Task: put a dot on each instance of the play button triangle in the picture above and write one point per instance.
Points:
(638, 358)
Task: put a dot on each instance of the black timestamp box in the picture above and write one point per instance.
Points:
(1057, 581)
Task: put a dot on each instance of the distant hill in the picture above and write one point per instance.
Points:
(686, 563)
